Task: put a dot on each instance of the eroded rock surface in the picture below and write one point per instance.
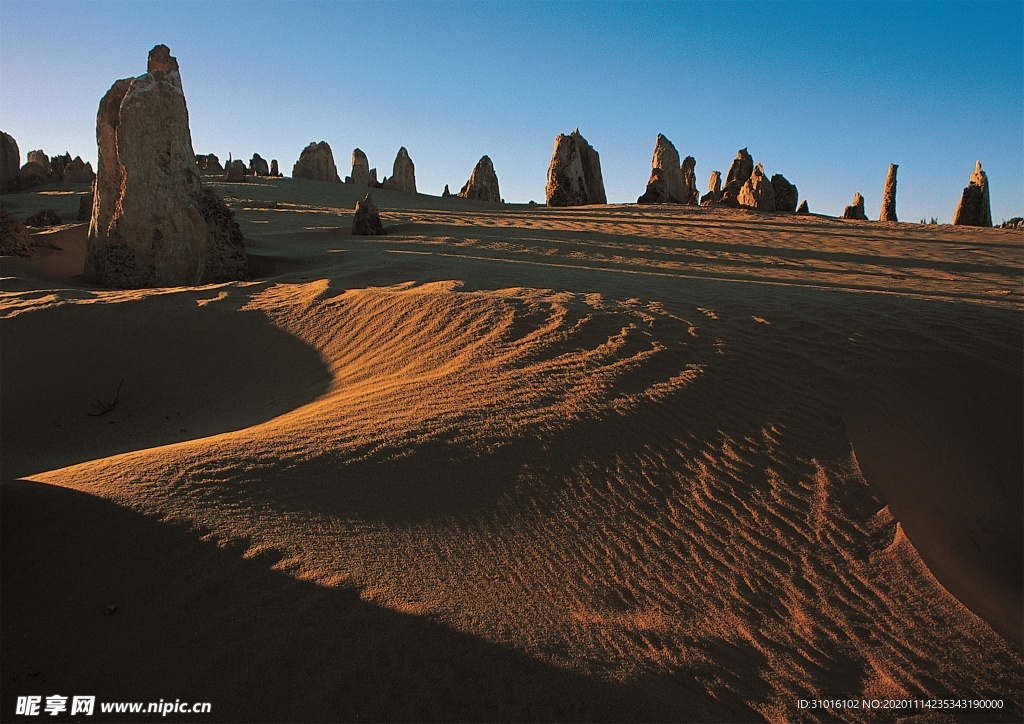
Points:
(152, 222)
(482, 184)
(975, 208)
(574, 174)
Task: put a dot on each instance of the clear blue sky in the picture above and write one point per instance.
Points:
(826, 93)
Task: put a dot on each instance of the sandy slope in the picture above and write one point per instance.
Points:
(515, 462)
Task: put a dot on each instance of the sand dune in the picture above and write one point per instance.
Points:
(595, 463)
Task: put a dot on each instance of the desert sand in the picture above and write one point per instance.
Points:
(512, 462)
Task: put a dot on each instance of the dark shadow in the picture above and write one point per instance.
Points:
(184, 372)
(199, 623)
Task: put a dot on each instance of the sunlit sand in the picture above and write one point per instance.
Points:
(512, 462)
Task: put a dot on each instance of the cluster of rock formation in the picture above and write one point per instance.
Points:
(209, 163)
(236, 170)
(152, 222)
(975, 208)
(482, 184)
(574, 175)
(747, 186)
(316, 162)
(39, 168)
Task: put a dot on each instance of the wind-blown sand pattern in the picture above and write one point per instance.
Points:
(522, 463)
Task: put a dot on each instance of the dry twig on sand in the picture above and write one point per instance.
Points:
(105, 407)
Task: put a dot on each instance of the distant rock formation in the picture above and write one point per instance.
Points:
(403, 176)
(40, 158)
(786, 194)
(236, 172)
(714, 194)
(574, 175)
(43, 219)
(740, 170)
(803, 208)
(757, 192)
(209, 163)
(14, 237)
(316, 163)
(152, 221)
(33, 174)
(691, 196)
(78, 172)
(888, 212)
(446, 193)
(258, 166)
(59, 165)
(360, 169)
(665, 186)
(975, 208)
(483, 182)
(10, 162)
(374, 183)
(275, 171)
(856, 209)
(366, 221)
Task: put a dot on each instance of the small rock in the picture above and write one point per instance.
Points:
(366, 221)
(43, 219)
(856, 209)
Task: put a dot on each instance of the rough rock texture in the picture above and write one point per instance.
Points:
(40, 158)
(975, 208)
(85, 207)
(786, 194)
(14, 238)
(446, 193)
(236, 172)
(888, 212)
(274, 170)
(209, 164)
(32, 174)
(226, 259)
(258, 166)
(691, 195)
(10, 162)
(856, 209)
(665, 186)
(757, 192)
(803, 208)
(44, 218)
(316, 163)
(366, 221)
(403, 176)
(79, 172)
(574, 175)
(360, 169)
(152, 223)
(714, 194)
(482, 183)
(58, 165)
(374, 183)
(740, 170)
